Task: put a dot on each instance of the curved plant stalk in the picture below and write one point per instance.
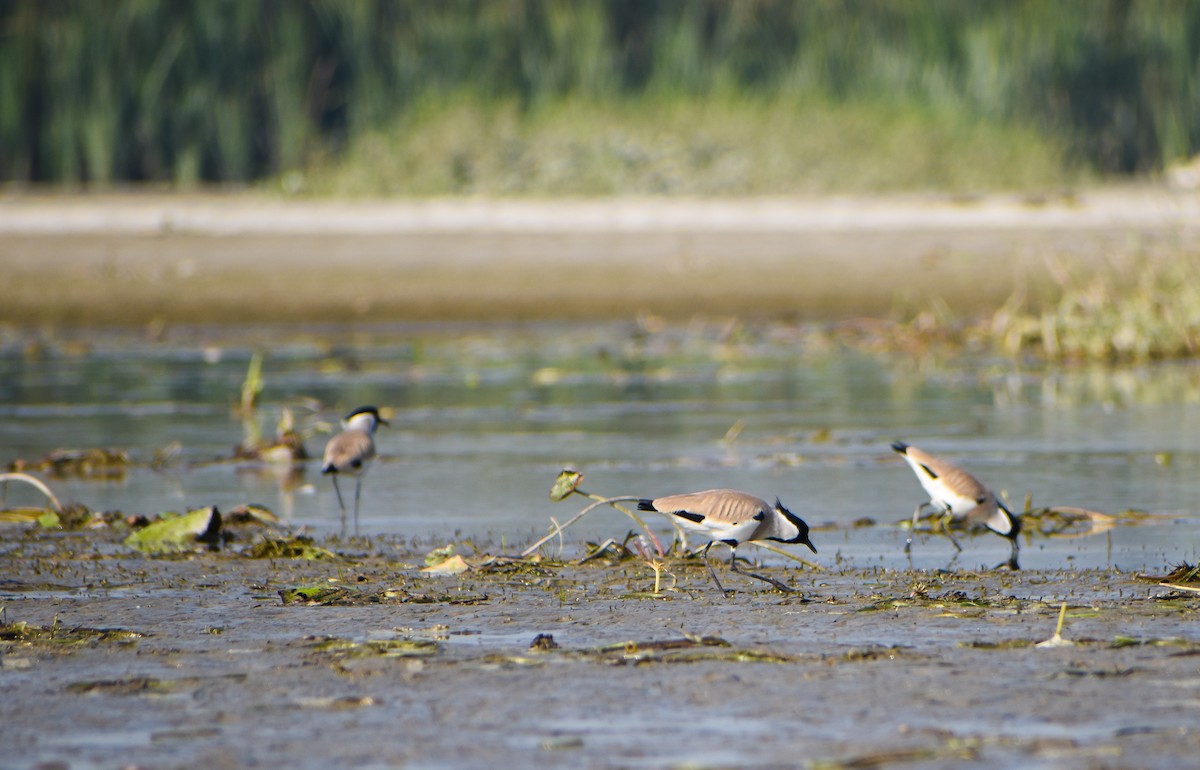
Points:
(567, 484)
(631, 514)
(558, 528)
(36, 484)
(789, 554)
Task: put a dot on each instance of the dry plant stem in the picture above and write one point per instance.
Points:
(559, 528)
(1178, 587)
(35, 483)
(653, 538)
(788, 554)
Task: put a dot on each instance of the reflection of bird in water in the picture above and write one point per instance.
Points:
(351, 451)
(959, 496)
(732, 517)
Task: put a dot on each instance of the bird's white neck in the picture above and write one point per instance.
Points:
(364, 421)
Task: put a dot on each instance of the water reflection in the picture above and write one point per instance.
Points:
(485, 418)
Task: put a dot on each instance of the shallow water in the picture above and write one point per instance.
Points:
(485, 417)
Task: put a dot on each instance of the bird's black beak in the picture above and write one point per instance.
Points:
(812, 547)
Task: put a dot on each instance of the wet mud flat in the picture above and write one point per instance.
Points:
(361, 659)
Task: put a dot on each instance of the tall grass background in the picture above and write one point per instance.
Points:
(596, 96)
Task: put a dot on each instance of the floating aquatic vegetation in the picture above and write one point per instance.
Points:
(340, 648)
(26, 636)
(866, 654)
(1132, 641)
(955, 751)
(286, 447)
(341, 596)
(1062, 522)
(1005, 644)
(97, 463)
(1183, 577)
(138, 685)
(339, 704)
(174, 533)
(297, 547)
(689, 649)
(1069, 521)
(321, 594)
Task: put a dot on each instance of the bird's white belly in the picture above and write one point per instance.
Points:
(720, 530)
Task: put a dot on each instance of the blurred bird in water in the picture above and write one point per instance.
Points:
(350, 452)
(960, 496)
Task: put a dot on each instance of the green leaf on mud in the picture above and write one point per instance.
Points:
(439, 555)
(49, 520)
(179, 533)
(314, 594)
(377, 648)
(455, 565)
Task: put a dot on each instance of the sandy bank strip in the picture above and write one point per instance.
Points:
(247, 214)
(240, 258)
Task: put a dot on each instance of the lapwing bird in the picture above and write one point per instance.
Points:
(351, 451)
(732, 517)
(961, 497)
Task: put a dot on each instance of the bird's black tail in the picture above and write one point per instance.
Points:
(900, 447)
(646, 505)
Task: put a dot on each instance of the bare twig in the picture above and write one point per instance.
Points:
(558, 528)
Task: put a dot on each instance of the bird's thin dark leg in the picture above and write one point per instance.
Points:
(1012, 560)
(341, 504)
(913, 528)
(733, 566)
(944, 524)
(704, 556)
(357, 494)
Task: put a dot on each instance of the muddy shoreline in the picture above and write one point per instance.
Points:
(862, 668)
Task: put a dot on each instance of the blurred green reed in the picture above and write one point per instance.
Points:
(188, 91)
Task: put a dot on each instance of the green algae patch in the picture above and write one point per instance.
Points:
(299, 547)
(315, 595)
(689, 649)
(340, 648)
(97, 463)
(340, 596)
(138, 685)
(1004, 644)
(22, 636)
